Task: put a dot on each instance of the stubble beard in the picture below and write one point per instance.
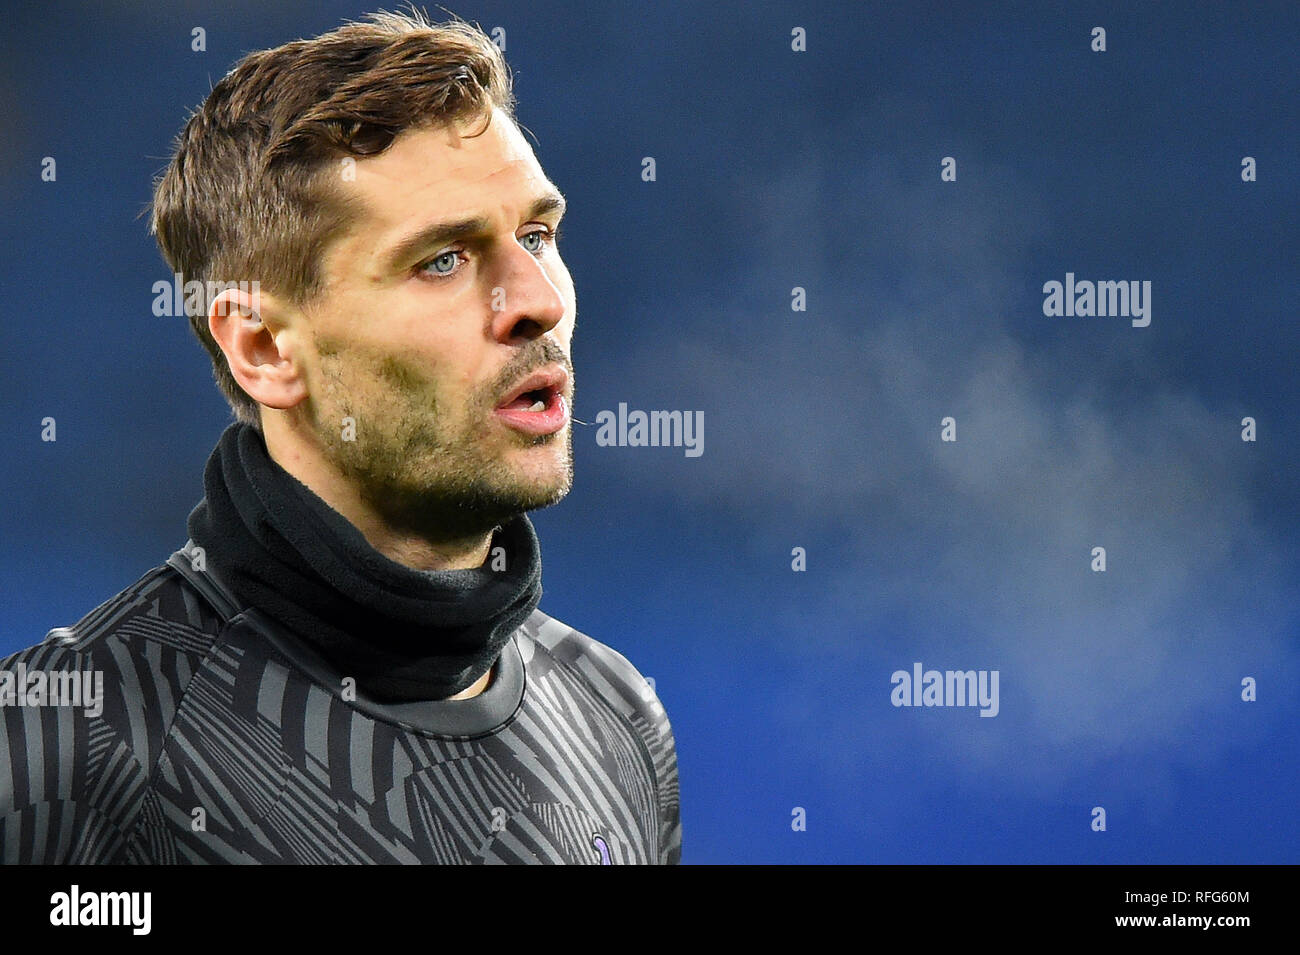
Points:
(438, 474)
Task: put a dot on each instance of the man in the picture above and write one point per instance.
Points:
(345, 663)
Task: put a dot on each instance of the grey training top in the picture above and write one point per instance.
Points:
(219, 738)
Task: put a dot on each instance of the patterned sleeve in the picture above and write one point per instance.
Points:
(670, 847)
(68, 777)
(83, 715)
(610, 670)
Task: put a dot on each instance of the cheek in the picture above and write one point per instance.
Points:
(456, 386)
(327, 377)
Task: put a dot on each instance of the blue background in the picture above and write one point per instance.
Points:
(821, 169)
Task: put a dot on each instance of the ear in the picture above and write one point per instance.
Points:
(261, 340)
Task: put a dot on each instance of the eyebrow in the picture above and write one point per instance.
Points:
(440, 233)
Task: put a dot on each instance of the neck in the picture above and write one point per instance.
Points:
(413, 549)
(404, 633)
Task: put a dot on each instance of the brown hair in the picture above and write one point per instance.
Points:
(247, 195)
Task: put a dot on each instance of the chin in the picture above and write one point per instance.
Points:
(542, 464)
(543, 490)
(550, 487)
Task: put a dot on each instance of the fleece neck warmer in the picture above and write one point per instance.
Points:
(403, 634)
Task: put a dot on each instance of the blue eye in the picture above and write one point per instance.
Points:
(454, 257)
(544, 236)
(432, 263)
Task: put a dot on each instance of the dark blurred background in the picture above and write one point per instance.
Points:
(821, 170)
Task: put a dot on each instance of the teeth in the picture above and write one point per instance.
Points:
(538, 405)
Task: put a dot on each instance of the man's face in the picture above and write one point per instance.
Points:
(423, 339)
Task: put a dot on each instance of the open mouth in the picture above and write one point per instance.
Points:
(539, 399)
(537, 405)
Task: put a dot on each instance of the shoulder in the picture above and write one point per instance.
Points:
(611, 675)
(608, 671)
(94, 700)
(159, 611)
(142, 645)
(85, 713)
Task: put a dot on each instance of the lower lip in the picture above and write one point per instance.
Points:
(547, 421)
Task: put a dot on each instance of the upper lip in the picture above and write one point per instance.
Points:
(553, 378)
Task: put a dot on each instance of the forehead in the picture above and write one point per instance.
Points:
(440, 171)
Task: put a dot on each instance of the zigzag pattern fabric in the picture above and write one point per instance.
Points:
(214, 746)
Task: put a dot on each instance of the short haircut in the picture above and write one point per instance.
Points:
(251, 192)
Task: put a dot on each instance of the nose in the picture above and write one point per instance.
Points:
(526, 302)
